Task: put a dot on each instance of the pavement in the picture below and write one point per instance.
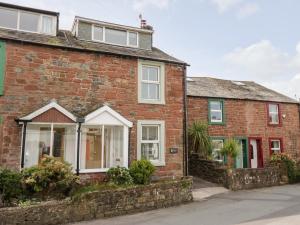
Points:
(203, 189)
(266, 206)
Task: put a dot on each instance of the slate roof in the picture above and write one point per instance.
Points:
(65, 39)
(247, 90)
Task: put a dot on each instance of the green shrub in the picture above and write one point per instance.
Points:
(119, 176)
(230, 150)
(289, 163)
(50, 177)
(141, 171)
(10, 185)
(199, 139)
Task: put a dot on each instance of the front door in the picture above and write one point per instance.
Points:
(255, 153)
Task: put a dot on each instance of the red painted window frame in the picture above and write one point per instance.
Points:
(281, 144)
(279, 115)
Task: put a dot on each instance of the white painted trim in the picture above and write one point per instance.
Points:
(162, 136)
(48, 107)
(162, 82)
(113, 113)
(125, 146)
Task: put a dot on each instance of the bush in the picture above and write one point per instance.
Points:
(119, 176)
(141, 171)
(289, 163)
(200, 140)
(10, 185)
(230, 150)
(50, 177)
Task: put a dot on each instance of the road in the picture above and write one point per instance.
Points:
(268, 206)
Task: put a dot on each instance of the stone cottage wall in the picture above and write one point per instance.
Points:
(82, 82)
(101, 204)
(246, 118)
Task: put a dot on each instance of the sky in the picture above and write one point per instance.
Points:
(257, 40)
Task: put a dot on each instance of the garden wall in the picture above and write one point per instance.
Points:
(240, 179)
(102, 204)
(206, 169)
(236, 179)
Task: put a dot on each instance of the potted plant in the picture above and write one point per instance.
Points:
(230, 151)
(199, 139)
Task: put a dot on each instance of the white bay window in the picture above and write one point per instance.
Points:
(57, 140)
(103, 138)
(102, 147)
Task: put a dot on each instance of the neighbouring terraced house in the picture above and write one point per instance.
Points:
(262, 120)
(97, 96)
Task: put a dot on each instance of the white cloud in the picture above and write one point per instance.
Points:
(265, 63)
(248, 9)
(140, 5)
(240, 7)
(225, 5)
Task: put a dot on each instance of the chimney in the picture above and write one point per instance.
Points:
(144, 24)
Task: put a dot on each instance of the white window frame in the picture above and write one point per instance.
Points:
(274, 113)
(52, 136)
(216, 139)
(161, 82)
(53, 33)
(216, 110)
(276, 149)
(161, 141)
(104, 33)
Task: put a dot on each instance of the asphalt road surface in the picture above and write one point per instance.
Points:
(268, 206)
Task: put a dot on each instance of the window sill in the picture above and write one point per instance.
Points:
(217, 123)
(158, 163)
(152, 102)
(103, 170)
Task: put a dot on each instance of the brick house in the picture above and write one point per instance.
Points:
(262, 120)
(97, 96)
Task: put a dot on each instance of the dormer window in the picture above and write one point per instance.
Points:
(114, 36)
(132, 39)
(118, 37)
(98, 33)
(27, 21)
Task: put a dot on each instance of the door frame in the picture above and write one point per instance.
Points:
(260, 155)
(242, 138)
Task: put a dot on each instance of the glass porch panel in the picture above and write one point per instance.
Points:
(64, 139)
(38, 141)
(113, 146)
(92, 144)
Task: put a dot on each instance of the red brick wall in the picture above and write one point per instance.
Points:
(82, 82)
(249, 119)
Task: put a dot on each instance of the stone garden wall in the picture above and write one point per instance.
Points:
(239, 179)
(236, 179)
(206, 169)
(101, 204)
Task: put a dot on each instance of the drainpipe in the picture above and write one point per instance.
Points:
(185, 126)
(79, 121)
(23, 139)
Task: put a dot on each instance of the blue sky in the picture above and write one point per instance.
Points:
(255, 40)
